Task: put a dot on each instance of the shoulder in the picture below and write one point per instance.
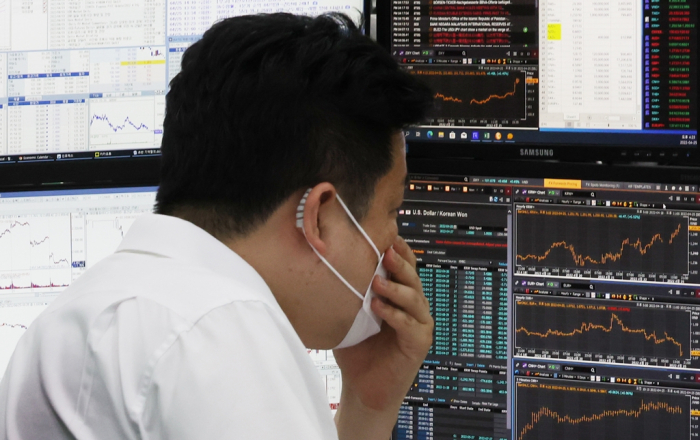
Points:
(239, 370)
(188, 290)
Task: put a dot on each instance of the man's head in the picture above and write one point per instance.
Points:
(268, 106)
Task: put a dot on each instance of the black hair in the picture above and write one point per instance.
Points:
(266, 105)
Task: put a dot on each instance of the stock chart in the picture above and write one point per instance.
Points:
(552, 410)
(603, 244)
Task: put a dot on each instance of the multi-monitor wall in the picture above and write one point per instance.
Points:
(539, 78)
(566, 298)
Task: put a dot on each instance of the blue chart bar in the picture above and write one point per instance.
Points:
(48, 75)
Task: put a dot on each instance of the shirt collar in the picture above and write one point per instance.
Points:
(181, 240)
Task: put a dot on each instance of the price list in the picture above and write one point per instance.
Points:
(429, 421)
(670, 66)
(460, 392)
(469, 305)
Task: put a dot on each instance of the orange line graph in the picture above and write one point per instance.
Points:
(587, 327)
(581, 260)
(636, 413)
(447, 98)
(484, 101)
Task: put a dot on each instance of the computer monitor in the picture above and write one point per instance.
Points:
(565, 79)
(88, 81)
(566, 301)
(49, 238)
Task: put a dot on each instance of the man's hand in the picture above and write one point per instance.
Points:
(378, 372)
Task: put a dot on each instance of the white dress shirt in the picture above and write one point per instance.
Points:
(172, 337)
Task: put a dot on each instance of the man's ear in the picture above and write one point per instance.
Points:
(316, 200)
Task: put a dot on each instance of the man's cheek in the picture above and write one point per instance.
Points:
(391, 238)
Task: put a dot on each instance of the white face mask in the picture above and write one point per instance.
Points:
(366, 324)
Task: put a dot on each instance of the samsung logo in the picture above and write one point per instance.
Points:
(534, 152)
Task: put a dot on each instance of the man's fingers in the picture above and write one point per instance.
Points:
(406, 326)
(406, 298)
(401, 270)
(403, 249)
(396, 318)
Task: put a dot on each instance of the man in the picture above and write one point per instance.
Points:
(280, 132)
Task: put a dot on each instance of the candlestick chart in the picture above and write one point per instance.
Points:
(548, 411)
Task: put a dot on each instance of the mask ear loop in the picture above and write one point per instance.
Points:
(300, 225)
(352, 217)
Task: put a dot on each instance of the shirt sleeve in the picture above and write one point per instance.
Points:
(239, 373)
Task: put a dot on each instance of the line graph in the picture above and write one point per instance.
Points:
(34, 243)
(582, 327)
(35, 251)
(118, 127)
(568, 240)
(20, 326)
(12, 224)
(53, 260)
(447, 98)
(14, 321)
(122, 122)
(582, 260)
(551, 409)
(492, 97)
(480, 101)
(614, 321)
(472, 96)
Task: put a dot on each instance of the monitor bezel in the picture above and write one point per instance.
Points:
(32, 176)
(643, 173)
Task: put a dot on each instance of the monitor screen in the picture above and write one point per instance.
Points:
(545, 73)
(49, 238)
(566, 303)
(81, 81)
